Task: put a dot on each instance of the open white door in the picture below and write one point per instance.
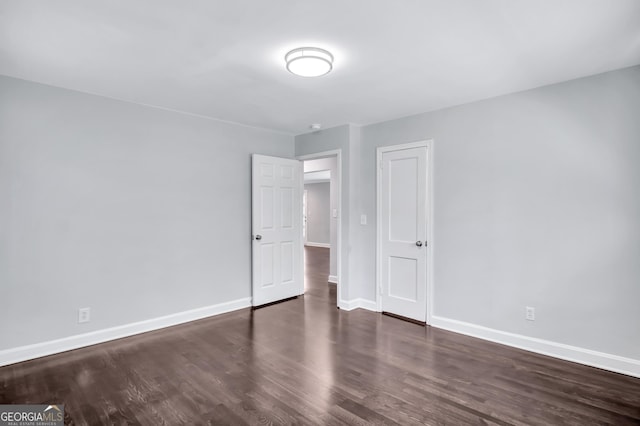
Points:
(277, 229)
(403, 231)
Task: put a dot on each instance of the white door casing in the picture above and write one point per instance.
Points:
(277, 269)
(305, 231)
(402, 240)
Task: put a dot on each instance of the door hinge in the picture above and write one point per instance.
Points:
(380, 290)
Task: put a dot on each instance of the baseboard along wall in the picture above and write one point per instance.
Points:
(24, 353)
(602, 360)
(605, 361)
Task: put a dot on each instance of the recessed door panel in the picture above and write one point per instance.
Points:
(286, 172)
(403, 200)
(403, 278)
(266, 170)
(266, 251)
(287, 209)
(267, 207)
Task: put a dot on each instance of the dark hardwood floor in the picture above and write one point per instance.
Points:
(306, 362)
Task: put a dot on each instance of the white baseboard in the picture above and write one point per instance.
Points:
(369, 305)
(323, 245)
(605, 361)
(333, 279)
(349, 305)
(24, 353)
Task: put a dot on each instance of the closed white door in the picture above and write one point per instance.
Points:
(277, 229)
(403, 232)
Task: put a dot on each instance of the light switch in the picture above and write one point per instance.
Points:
(335, 213)
(363, 219)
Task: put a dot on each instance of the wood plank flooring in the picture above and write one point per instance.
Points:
(306, 362)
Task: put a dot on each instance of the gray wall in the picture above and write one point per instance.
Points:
(318, 212)
(133, 211)
(537, 203)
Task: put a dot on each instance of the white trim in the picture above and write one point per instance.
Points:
(338, 154)
(369, 305)
(589, 357)
(349, 305)
(305, 207)
(24, 353)
(333, 279)
(430, 235)
(311, 244)
(428, 143)
(314, 181)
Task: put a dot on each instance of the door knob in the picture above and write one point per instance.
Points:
(258, 237)
(419, 243)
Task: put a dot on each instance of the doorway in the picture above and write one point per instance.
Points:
(322, 212)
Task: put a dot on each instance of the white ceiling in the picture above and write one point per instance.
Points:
(224, 59)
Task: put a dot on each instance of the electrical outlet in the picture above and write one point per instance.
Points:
(530, 314)
(84, 315)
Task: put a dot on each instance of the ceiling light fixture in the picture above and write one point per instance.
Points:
(309, 61)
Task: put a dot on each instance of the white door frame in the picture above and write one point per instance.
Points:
(430, 243)
(305, 203)
(338, 154)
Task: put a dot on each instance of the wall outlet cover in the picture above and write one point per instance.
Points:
(530, 313)
(84, 315)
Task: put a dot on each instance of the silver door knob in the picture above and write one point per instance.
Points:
(419, 243)
(258, 237)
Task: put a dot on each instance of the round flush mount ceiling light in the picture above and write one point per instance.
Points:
(309, 61)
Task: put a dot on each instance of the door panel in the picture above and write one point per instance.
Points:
(287, 210)
(276, 228)
(267, 272)
(403, 250)
(403, 276)
(402, 174)
(266, 206)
